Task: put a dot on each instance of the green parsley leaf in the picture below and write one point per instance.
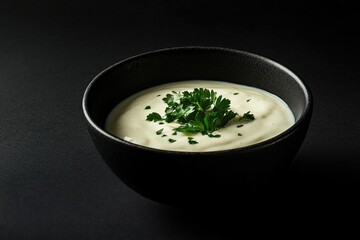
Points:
(147, 107)
(154, 117)
(172, 140)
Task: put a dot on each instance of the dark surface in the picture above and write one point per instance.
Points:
(53, 183)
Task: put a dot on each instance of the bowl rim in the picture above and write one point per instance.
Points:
(252, 147)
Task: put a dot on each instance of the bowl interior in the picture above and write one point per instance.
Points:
(147, 70)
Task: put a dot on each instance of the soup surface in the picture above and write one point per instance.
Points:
(129, 119)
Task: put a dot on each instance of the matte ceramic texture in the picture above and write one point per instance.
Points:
(178, 178)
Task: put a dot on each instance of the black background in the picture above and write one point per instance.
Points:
(53, 183)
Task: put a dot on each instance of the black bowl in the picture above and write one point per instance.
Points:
(178, 178)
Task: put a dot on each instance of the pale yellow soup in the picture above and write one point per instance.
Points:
(272, 116)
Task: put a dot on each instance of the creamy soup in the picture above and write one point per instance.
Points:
(128, 120)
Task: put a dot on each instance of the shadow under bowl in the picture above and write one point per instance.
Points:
(182, 178)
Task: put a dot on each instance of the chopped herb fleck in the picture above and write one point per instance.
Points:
(214, 136)
(248, 100)
(247, 116)
(174, 133)
(158, 132)
(164, 135)
(236, 93)
(158, 95)
(172, 140)
(192, 141)
(154, 117)
(147, 107)
(239, 126)
(161, 123)
(239, 134)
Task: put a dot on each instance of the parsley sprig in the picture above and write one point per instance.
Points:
(200, 110)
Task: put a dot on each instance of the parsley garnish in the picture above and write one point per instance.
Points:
(147, 107)
(172, 140)
(197, 111)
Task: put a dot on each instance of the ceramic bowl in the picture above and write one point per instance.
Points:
(178, 178)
